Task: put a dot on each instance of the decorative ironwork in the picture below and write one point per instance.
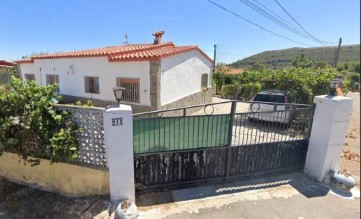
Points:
(205, 108)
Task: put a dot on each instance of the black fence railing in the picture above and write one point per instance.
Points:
(215, 142)
(234, 125)
(268, 127)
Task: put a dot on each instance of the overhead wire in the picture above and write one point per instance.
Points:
(275, 19)
(251, 22)
(279, 17)
(299, 24)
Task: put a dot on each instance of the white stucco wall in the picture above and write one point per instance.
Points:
(329, 128)
(73, 83)
(181, 75)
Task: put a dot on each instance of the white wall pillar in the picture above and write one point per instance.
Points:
(118, 134)
(330, 123)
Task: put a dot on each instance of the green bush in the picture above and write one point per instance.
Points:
(223, 79)
(89, 103)
(351, 81)
(231, 90)
(302, 83)
(250, 90)
(28, 116)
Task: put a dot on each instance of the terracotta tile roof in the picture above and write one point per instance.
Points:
(6, 64)
(152, 54)
(235, 71)
(133, 52)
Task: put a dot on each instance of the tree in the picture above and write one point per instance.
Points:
(301, 62)
(257, 67)
(320, 64)
(356, 68)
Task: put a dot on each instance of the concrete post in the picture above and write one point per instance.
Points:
(330, 123)
(118, 134)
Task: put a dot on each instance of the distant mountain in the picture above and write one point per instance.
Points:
(283, 58)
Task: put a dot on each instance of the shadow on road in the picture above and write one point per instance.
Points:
(297, 180)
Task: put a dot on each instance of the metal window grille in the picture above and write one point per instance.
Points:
(131, 93)
(29, 77)
(53, 79)
(92, 85)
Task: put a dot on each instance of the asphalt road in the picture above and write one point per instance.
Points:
(297, 207)
(291, 195)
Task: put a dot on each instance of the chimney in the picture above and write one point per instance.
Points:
(158, 37)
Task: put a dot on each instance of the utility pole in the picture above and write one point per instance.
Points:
(214, 57)
(334, 63)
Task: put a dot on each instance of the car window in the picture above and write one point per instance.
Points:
(269, 98)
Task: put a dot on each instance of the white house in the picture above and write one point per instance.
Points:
(156, 76)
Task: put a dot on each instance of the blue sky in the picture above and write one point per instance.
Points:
(29, 26)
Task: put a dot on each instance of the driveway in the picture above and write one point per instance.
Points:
(291, 195)
(245, 132)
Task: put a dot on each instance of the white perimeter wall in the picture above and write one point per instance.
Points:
(73, 83)
(181, 75)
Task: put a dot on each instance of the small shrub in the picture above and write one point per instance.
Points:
(231, 90)
(89, 103)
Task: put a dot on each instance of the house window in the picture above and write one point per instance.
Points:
(131, 93)
(92, 85)
(204, 80)
(53, 79)
(29, 77)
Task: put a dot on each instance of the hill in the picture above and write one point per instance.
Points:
(283, 58)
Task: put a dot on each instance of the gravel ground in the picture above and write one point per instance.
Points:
(350, 162)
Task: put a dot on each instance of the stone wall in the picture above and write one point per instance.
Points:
(155, 84)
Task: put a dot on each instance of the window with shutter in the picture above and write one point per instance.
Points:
(204, 80)
(29, 77)
(53, 79)
(91, 85)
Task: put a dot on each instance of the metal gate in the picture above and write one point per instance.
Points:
(172, 147)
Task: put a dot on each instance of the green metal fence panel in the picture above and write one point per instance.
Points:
(180, 133)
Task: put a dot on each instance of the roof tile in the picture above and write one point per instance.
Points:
(133, 52)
